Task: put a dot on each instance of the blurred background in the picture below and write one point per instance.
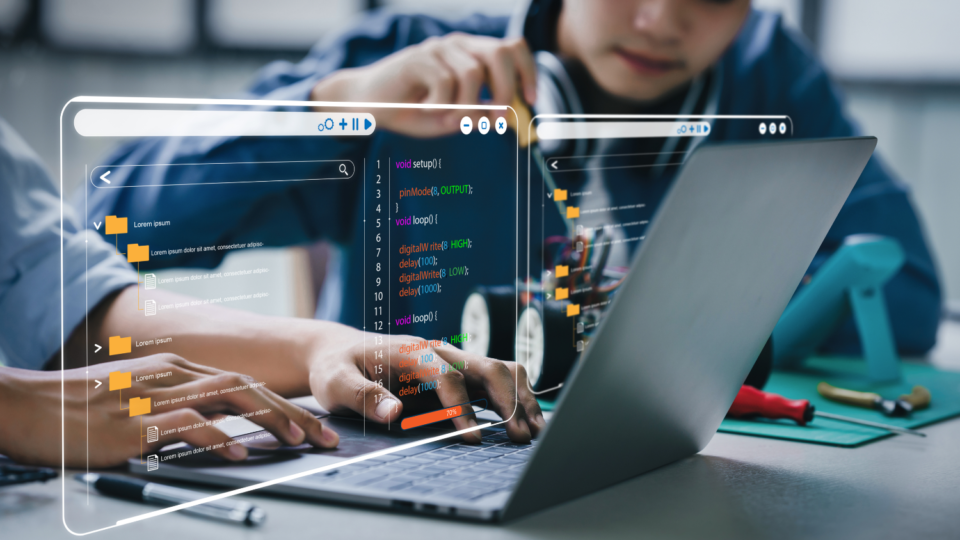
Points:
(899, 63)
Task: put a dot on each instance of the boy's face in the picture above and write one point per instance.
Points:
(643, 49)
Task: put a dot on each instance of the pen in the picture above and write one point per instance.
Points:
(135, 489)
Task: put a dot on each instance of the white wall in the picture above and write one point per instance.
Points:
(892, 39)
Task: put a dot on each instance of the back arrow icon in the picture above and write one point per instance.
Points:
(104, 176)
(97, 348)
(98, 384)
(553, 165)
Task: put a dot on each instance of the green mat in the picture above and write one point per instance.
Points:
(850, 373)
(944, 386)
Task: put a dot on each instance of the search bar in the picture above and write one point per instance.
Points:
(171, 123)
(620, 130)
(565, 164)
(195, 174)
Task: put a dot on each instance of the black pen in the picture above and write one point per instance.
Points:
(135, 489)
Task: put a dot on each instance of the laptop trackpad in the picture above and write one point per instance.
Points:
(355, 438)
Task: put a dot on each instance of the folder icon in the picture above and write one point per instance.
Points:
(559, 194)
(137, 253)
(562, 293)
(573, 212)
(115, 225)
(562, 270)
(139, 406)
(119, 345)
(119, 380)
(572, 309)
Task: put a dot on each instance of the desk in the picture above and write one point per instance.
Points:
(737, 487)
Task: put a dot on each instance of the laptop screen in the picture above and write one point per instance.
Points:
(596, 182)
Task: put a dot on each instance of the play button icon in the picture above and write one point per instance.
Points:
(367, 123)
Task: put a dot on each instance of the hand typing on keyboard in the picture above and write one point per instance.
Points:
(342, 379)
(179, 393)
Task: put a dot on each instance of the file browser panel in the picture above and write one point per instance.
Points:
(229, 256)
(596, 182)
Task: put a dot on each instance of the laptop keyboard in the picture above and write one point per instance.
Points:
(459, 471)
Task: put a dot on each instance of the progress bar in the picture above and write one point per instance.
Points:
(443, 414)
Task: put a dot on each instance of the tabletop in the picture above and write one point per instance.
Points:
(737, 487)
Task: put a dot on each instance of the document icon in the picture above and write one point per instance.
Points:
(562, 293)
(139, 406)
(573, 212)
(572, 310)
(136, 253)
(153, 463)
(150, 307)
(119, 345)
(559, 194)
(149, 281)
(153, 434)
(562, 270)
(119, 380)
(115, 225)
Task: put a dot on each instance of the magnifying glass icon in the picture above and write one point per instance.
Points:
(343, 168)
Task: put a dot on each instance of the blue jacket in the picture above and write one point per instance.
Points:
(768, 70)
(40, 249)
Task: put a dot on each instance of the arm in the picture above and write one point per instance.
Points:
(277, 214)
(31, 428)
(331, 361)
(32, 233)
(770, 70)
(879, 204)
(273, 350)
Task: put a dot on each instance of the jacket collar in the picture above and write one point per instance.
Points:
(536, 20)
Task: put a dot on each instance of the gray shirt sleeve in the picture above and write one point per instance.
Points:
(34, 280)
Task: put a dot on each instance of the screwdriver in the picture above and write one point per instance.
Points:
(753, 402)
(918, 398)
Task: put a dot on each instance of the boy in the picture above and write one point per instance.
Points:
(623, 56)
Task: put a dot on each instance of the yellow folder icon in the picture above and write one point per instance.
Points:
(562, 270)
(116, 225)
(573, 212)
(137, 253)
(559, 194)
(573, 309)
(119, 345)
(139, 406)
(562, 293)
(119, 380)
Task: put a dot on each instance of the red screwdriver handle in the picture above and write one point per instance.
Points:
(753, 402)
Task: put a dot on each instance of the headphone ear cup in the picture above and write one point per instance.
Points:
(556, 94)
(549, 101)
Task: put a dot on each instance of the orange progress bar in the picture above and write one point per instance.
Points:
(431, 417)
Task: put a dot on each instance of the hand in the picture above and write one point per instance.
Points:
(33, 433)
(441, 70)
(343, 378)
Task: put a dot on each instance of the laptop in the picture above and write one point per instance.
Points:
(722, 257)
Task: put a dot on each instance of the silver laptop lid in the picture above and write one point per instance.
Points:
(723, 256)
